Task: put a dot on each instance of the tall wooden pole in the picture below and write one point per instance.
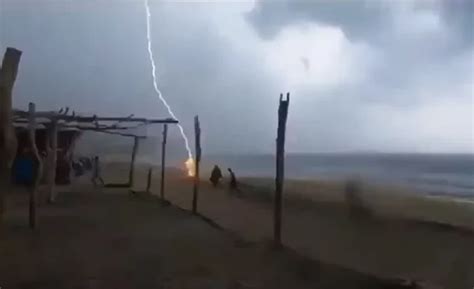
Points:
(280, 166)
(197, 133)
(52, 155)
(8, 141)
(163, 160)
(132, 162)
(39, 172)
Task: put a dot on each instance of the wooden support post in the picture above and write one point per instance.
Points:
(163, 160)
(8, 141)
(132, 163)
(39, 171)
(148, 180)
(52, 158)
(280, 166)
(197, 133)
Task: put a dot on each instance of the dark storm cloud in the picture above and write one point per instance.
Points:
(367, 20)
(405, 55)
(356, 19)
(91, 56)
(381, 85)
(459, 14)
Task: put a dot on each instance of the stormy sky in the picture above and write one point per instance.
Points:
(385, 76)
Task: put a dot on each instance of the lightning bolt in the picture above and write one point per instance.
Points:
(190, 161)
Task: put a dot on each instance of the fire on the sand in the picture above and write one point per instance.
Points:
(190, 167)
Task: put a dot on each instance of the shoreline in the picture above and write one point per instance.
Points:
(384, 201)
(392, 201)
(400, 238)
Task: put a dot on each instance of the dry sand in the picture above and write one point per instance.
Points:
(407, 235)
(109, 239)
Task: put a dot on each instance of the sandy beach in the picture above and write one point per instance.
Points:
(406, 236)
(109, 238)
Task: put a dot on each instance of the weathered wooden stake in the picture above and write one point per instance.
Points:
(148, 180)
(280, 160)
(132, 163)
(39, 162)
(163, 160)
(8, 141)
(52, 151)
(197, 133)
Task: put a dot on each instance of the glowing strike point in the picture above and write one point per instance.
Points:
(190, 166)
(190, 162)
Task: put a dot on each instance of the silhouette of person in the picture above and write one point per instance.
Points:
(216, 175)
(96, 172)
(233, 180)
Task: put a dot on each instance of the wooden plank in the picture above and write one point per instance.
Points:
(8, 141)
(80, 119)
(39, 172)
(163, 161)
(115, 133)
(9, 70)
(197, 134)
(280, 167)
(132, 162)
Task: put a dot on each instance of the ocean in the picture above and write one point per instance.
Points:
(437, 174)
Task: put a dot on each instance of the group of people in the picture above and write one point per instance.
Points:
(216, 175)
(84, 164)
(96, 178)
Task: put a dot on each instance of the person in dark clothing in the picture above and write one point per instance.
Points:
(24, 168)
(216, 175)
(96, 172)
(233, 180)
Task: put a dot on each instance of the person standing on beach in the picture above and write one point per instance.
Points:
(216, 175)
(96, 172)
(233, 180)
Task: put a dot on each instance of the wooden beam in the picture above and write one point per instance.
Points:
(132, 162)
(280, 167)
(94, 118)
(197, 133)
(52, 158)
(39, 172)
(99, 128)
(123, 119)
(8, 141)
(9, 70)
(117, 133)
(163, 161)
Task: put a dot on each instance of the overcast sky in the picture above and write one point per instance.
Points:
(390, 76)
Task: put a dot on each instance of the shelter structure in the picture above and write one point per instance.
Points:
(36, 147)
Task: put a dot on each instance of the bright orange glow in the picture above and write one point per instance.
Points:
(190, 167)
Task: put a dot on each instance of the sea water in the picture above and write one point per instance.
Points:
(444, 174)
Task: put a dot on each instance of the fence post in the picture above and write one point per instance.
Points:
(39, 172)
(132, 163)
(163, 160)
(280, 167)
(197, 133)
(8, 141)
(52, 151)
